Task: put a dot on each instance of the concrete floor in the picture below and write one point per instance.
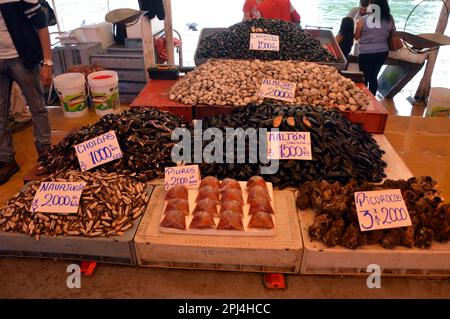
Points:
(31, 278)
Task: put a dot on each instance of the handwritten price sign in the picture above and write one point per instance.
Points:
(381, 210)
(264, 42)
(98, 151)
(62, 198)
(289, 146)
(278, 90)
(183, 175)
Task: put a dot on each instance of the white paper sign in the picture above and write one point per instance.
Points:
(381, 210)
(264, 42)
(62, 198)
(98, 151)
(278, 90)
(182, 175)
(289, 146)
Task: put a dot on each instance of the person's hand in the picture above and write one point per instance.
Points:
(46, 75)
(339, 38)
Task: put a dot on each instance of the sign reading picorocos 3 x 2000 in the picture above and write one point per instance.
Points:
(98, 151)
(381, 210)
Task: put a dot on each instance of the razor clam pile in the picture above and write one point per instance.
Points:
(341, 150)
(144, 136)
(109, 204)
(234, 43)
(336, 220)
(237, 83)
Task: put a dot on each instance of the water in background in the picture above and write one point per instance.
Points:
(223, 13)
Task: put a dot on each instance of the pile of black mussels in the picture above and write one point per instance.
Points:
(342, 151)
(234, 43)
(336, 218)
(144, 136)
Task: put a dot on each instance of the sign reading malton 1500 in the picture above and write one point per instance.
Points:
(61, 197)
(264, 42)
(289, 146)
(381, 210)
(278, 90)
(98, 151)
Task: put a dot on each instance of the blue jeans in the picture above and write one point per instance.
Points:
(28, 80)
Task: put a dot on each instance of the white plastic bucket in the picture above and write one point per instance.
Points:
(104, 88)
(439, 103)
(71, 89)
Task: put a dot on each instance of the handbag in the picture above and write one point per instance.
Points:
(395, 42)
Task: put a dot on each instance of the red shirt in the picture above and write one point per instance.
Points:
(278, 9)
(250, 8)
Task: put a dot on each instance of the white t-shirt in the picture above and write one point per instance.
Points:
(7, 48)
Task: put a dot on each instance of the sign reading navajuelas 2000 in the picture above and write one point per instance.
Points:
(98, 151)
(58, 197)
(381, 210)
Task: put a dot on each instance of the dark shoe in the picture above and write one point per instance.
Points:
(7, 170)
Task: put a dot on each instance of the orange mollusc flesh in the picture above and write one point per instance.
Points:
(210, 181)
(229, 183)
(230, 220)
(232, 195)
(203, 220)
(256, 181)
(208, 192)
(178, 191)
(261, 220)
(207, 205)
(233, 206)
(179, 205)
(174, 219)
(261, 205)
(256, 193)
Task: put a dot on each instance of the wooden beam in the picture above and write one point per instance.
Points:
(147, 45)
(169, 31)
(424, 88)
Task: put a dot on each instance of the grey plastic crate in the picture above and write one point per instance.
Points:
(131, 75)
(119, 61)
(114, 250)
(133, 43)
(68, 55)
(131, 87)
(124, 51)
(127, 98)
(326, 37)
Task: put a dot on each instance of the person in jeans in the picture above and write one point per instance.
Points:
(25, 57)
(374, 43)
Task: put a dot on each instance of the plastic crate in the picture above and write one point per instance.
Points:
(114, 250)
(130, 87)
(119, 61)
(133, 43)
(68, 55)
(130, 75)
(281, 253)
(326, 38)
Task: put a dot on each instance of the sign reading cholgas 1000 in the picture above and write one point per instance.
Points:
(98, 151)
(264, 42)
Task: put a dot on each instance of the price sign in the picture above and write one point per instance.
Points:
(98, 151)
(278, 90)
(62, 198)
(182, 175)
(264, 42)
(289, 146)
(381, 210)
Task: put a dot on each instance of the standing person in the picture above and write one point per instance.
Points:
(24, 46)
(345, 38)
(359, 12)
(374, 43)
(249, 9)
(278, 9)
